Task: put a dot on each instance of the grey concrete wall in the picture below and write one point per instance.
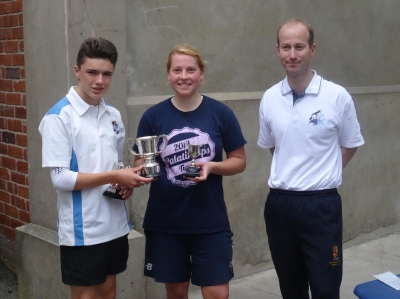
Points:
(355, 41)
(355, 48)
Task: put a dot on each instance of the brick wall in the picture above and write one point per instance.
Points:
(14, 193)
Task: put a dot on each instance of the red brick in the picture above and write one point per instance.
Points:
(19, 86)
(5, 33)
(21, 46)
(5, 59)
(25, 154)
(15, 151)
(17, 33)
(22, 166)
(4, 196)
(4, 219)
(9, 163)
(7, 111)
(1, 207)
(20, 19)
(13, 99)
(11, 211)
(6, 85)
(16, 6)
(15, 223)
(23, 95)
(14, 125)
(25, 216)
(21, 140)
(3, 149)
(2, 184)
(19, 202)
(5, 8)
(2, 97)
(8, 232)
(28, 206)
(10, 21)
(4, 174)
(23, 192)
(10, 46)
(18, 59)
(18, 178)
(3, 126)
(11, 187)
(20, 112)
(22, 73)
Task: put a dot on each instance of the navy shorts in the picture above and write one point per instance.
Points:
(206, 259)
(305, 237)
(90, 265)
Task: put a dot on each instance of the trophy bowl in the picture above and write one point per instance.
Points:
(148, 150)
(194, 150)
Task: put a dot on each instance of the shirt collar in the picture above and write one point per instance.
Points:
(79, 104)
(312, 88)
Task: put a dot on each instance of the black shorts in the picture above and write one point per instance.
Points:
(90, 265)
(205, 258)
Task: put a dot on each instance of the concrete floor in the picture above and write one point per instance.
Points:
(361, 262)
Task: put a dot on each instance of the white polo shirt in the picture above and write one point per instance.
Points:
(307, 135)
(87, 139)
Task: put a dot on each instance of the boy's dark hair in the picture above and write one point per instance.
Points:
(97, 48)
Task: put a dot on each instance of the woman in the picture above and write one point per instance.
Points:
(187, 230)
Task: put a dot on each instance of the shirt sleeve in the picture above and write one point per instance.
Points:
(265, 138)
(56, 142)
(349, 131)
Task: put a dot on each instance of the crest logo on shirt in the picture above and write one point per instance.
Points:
(335, 256)
(116, 127)
(317, 118)
(176, 157)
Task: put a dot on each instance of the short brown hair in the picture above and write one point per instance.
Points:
(97, 48)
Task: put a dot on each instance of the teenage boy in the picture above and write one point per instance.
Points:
(82, 139)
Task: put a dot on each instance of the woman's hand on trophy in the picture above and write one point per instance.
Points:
(205, 170)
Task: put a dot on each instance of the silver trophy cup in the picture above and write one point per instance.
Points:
(194, 150)
(148, 150)
(111, 190)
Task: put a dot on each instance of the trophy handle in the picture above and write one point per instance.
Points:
(165, 143)
(129, 144)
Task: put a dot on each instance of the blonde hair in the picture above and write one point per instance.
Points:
(187, 50)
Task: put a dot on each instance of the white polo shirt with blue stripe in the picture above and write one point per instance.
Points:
(308, 134)
(87, 139)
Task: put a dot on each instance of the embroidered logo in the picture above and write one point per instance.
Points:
(335, 256)
(317, 118)
(116, 127)
(149, 266)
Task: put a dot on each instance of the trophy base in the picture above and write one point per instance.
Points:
(151, 175)
(191, 174)
(113, 193)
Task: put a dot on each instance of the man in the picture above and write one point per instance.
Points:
(82, 138)
(310, 126)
